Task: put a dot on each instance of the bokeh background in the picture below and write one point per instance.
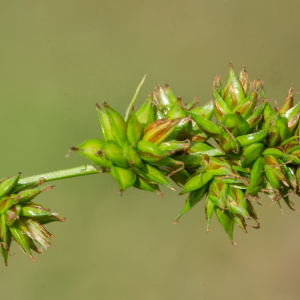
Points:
(57, 58)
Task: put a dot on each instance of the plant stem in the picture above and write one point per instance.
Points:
(62, 174)
(134, 97)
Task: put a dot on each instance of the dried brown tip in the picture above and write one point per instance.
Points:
(98, 106)
(20, 172)
(121, 192)
(175, 222)
(48, 188)
(172, 188)
(160, 194)
(105, 105)
(58, 217)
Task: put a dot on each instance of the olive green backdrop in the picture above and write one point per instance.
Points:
(57, 58)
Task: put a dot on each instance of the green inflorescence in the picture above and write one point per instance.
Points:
(255, 149)
(249, 148)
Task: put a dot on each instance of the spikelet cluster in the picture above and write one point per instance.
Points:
(21, 219)
(225, 152)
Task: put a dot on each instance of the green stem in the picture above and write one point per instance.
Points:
(62, 174)
(134, 97)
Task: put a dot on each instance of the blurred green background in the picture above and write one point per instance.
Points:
(57, 58)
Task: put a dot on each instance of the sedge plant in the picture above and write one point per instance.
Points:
(224, 153)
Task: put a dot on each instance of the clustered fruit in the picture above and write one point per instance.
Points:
(249, 148)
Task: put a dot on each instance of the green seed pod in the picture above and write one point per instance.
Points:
(283, 130)
(246, 107)
(226, 222)
(196, 158)
(221, 108)
(292, 112)
(288, 102)
(176, 110)
(206, 111)
(259, 109)
(144, 185)
(199, 147)
(169, 93)
(5, 237)
(277, 153)
(89, 150)
(256, 177)
(218, 166)
(21, 238)
(159, 115)
(195, 133)
(153, 175)
(217, 193)
(32, 210)
(7, 202)
(244, 80)
(125, 177)
(292, 124)
(237, 203)
(193, 198)
(273, 172)
(160, 130)
(251, 153)
(31, 193)
(207, 126)
(233, 93)
(105, 124)
(150, 152)
(196, 181)
(249, 139)
(39, 234)
(174, 146)
(117, 124)
(12, 214)
(7, 184)
(254, 120)
(4, 249)
(134, 130)
(166, 102)
(145, 114)
(217, 85)
(236, 124)
(114, 153)
(239, 220)
(132, 156)
(48, 219)
(227, 143)
(209, 209)
(289, 173)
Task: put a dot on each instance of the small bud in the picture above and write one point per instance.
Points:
(111, 151)
(89, 150)
(145, 114)
(244, 80)
(288, 102)
(134, 130)
(117, 124)
(160, 130)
